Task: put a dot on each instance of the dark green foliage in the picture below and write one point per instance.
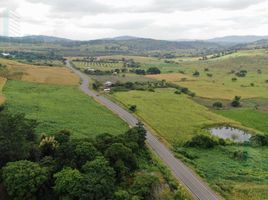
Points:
(68, 183)
(23, 179)
(16, 136)
(217, 105)
(240, 155)
(153, 70)
(177, 92)
(84, 151)
(63, 136)
(234, 79)
(122, 195)
(140, 71)
(136, 135)
(236, 102)
(144, 185)
(201, 141)
(266, 81)
(104, 141)
(96, 85)
(98, 181)
(196, 73)
(133, 108)
(122, 159)
(241, 73)
(259, 140)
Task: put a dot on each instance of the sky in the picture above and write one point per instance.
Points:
(159, 19)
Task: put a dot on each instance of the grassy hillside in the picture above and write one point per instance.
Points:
(2, 83)
(61, 107)
(176, 118)
(39, 74)
(215, 79)
(248, 117)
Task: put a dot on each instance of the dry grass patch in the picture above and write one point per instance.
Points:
(39, 74)
(2, 83)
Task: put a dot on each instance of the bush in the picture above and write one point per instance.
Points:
(236, 102)
(196, 73)
(217, 105)
(234, 79)
(259, 140)
(201, 141)
(240, 155)
(23, 179)
(153, 70)
(133, 108)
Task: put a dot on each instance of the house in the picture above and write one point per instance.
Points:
(5, 54)
(107, 90)
(108, 84)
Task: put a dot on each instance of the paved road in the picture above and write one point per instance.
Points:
(197, 188)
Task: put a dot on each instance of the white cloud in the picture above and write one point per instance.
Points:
(163, 19)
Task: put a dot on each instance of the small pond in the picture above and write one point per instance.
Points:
(225, 132)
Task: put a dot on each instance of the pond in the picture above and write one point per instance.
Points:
(225, 132)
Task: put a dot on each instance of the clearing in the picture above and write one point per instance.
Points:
(176, 118)
(61, 107)
(39, 74)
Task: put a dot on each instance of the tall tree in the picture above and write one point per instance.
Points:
(23, 179)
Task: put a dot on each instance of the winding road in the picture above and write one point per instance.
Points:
(196, 186)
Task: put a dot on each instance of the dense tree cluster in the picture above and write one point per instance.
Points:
(58, 167)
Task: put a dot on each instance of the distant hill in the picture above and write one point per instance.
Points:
(34, 39)
(124, 37)
(120, 45)
(238, 39)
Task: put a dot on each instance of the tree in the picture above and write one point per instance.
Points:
(133, 108)
(153, 70)
(99, 180)
(236, 102)
(201, 141)
(143, 185)
(23, 179)
(217, 105)
(122, 159)
(16, 136)
(48, 146)
(63, 136)
(68, 183)
(84, 151)
(104, 141)
(137, 135)
(196, 73)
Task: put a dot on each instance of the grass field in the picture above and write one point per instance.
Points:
(98, 66)
(248, 117)
(61, 107)
(220, 84)
(176, 118)
(2, 83)
(39, 74)
(233, 179)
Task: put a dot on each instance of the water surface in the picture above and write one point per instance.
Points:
(235, 134)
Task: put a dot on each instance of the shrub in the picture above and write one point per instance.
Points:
(153, 70)
(236, 102)
(240, 155)
(201, 141)
(217, 105)
(234, 79)
(259, 140)
(133, 108)
(196, 73)
(177, 92)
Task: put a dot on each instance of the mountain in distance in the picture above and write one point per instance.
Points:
(34, 39)
(236, 39)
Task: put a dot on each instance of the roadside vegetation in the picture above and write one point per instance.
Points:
(61, 107)
(58, 167)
